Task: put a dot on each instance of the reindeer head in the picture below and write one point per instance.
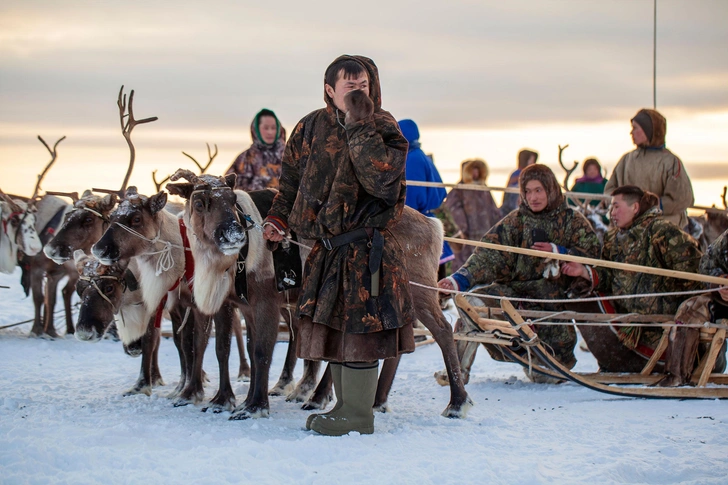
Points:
(17, 232)
(82, 226)
(132, 227)
(211, 213)
(100, 288)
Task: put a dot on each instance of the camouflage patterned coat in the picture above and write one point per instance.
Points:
(715, 263)
(337, 178)
(562, 225)
(650, 241)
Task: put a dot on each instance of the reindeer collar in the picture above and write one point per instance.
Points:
(189, 273)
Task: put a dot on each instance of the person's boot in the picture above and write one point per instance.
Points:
(681, 351)
(336, 378)
(358, 389)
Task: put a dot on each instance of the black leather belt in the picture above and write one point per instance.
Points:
(376, 248)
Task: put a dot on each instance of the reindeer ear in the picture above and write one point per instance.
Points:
(86, 193)
(157, 202)
(108, 202)
(183, 189)
(80, 258)
(230, 179)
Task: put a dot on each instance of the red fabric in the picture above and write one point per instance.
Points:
(188, 274)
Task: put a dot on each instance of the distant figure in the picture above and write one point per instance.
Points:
(654, 168)
(259, 166)
(592, 182)
(421, 168)
(512, 201)
(474, 211)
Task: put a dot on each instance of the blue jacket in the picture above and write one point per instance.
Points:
(422, 169)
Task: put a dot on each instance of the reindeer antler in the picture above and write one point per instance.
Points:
(158, 185)
(210, 157)
(72, 195)
(188, 175)
(126, 129)
(13, 205)
(42, 175)
(725, 189)
(568, 172)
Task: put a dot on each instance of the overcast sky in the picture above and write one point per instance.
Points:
(456, 63)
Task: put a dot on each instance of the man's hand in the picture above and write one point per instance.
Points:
(358, 106)
(575, 269)
(270, 233)
(543, 246)
(445, 284)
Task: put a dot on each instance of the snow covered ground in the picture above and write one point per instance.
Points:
(63, 420)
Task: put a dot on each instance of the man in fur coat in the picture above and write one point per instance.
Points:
(343, 185)
(652, 167)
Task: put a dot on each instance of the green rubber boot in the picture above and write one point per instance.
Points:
(358, 389)
(336, 378)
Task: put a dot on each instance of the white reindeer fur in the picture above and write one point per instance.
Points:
(133, 317)
(154, 286)
(214, 271)
(8, 247)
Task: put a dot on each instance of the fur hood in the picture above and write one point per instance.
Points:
(547, 178)
(375, 93)
(468, 165)
(659, 128)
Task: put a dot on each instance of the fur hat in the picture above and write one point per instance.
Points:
(654, 125)
(468, 165)
(524, 156)
(547, 178)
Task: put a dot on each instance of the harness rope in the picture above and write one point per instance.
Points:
(165, 261)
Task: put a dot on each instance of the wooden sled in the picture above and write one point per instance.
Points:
(595, 382)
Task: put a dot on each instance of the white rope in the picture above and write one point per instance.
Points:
(101, 216)
(166, 260)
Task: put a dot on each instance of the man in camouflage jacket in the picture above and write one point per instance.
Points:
(343, 185)
(555, 228)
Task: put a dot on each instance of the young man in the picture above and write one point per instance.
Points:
(343, 185)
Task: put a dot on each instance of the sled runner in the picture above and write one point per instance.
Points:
(518, 342)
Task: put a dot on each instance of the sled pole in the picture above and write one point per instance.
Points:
(669, 273)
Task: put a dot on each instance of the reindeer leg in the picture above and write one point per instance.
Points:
(197, 330)
(284, 386)
(67, 294)
(263, 323)
(322, 395)
(384, 385)
(307, 384)
(224, 322)
(429, 313)
(36, 286)
(156, 373)
(244, 370)
(143, 384)
(50, 304)
(179, 344)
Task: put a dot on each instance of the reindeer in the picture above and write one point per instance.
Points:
(215, 221)
(17, 233)
(112, 293)
(706, 228)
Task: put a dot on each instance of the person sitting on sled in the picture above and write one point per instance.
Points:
(643, 238)
(698, 310)
(542, 222)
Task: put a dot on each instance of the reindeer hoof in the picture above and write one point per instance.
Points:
(215, 408)
(442, 378)
(382, 408)
(248, 413)
(158, 382)
(461, 411)
(281, 389)
(316, 404)
(244, 375)
(147, 390)
(181, 402)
